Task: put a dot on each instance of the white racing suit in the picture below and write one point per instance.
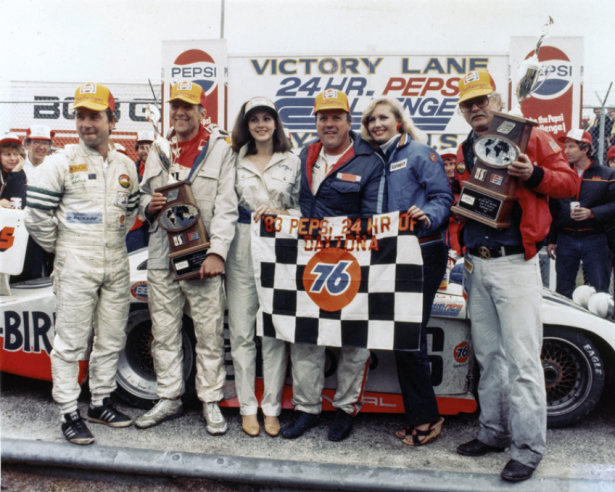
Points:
(83, 214)
(277, 187)
(214, 192)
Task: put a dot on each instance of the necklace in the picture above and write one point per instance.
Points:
(261, 163)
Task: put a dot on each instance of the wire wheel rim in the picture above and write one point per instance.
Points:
(568, 375)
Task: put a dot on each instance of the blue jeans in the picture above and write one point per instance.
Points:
(594, 252)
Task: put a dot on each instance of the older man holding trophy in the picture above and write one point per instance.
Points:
(503, 230)
(188, 197)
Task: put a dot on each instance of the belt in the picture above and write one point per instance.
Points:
(487, 253)
(430, 239)
(244, 215)
(581, 232)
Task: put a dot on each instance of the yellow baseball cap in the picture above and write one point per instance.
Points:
(475, 84)
(93, 96)
(189, 92)
(331, 99)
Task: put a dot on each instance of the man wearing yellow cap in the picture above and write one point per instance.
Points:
(80, 204)
(214, 191)
(504, 288)
(341, 174)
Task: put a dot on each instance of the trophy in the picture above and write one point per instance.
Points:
(489, 195)
(180, 216)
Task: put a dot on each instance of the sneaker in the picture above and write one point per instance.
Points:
(108, 415)
(301, 422)
(214, 418)
(341, 426)
(75, 430)
(163, 410)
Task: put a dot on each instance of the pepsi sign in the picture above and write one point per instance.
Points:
(558, 78)
(196, 66)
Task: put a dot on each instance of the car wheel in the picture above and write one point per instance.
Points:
(574, 375)
(136, 379)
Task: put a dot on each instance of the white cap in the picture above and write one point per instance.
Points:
(9, 137)
(450, 152)
(120, 148)
(40, 132)
(146, 136)
(259, 102)
(578, 135)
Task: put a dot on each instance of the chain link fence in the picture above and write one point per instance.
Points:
(23, 104)
(602, 129)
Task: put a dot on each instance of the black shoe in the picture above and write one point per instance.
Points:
(75, 430)
(515, 471)
(477, 448)
(301, 422)
(108, 415)
(341, 426)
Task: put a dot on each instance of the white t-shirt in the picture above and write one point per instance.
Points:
(324, 163)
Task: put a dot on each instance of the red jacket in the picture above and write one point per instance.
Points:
(552, 177)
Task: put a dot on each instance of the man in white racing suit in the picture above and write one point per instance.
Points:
(80, 205)
(214, 192)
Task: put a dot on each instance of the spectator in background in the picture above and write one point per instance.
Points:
(579, 233)
(38, 144)
(610, 230)
(12, 175)
(138, 236)
(449, 157)
(594, 130)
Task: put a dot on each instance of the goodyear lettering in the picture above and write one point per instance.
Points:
(310, 66)
(28, 332)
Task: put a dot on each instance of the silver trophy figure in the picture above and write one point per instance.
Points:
(530, 72)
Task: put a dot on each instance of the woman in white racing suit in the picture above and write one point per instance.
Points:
(267, 182)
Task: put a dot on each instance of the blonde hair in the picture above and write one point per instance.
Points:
(398, 111)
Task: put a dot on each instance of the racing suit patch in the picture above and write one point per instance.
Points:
(122, 219)
(122, 198)
(77, 168)
(84, 217)
(124, 180)
(398, 165)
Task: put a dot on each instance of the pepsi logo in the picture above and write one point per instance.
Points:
(197, 67)
(330, 94)
(471, 77)
(88, 89)
(558, 77)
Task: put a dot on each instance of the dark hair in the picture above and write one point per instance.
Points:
(241, 133)
(12, 145)
(591, 153)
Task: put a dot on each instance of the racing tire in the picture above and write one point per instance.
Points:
(574, 375)
(136, 379)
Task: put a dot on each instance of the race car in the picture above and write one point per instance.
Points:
(576, 344)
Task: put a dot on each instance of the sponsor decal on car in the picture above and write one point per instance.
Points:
(139, 291)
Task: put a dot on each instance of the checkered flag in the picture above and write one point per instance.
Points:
(338, 281)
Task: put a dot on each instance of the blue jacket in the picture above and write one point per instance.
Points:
(355, 186)
(415, 176)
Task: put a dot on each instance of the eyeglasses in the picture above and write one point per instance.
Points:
(481, 102)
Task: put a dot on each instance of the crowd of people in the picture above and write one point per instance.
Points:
(89, 204)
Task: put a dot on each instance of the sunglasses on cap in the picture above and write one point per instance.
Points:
(480, 101)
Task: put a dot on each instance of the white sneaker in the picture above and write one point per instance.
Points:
(162, 411)
(216, 424)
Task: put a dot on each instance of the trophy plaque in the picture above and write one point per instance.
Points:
(489, 195)
(188, 239)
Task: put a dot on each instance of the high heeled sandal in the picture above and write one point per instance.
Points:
(427, 435)
(406, 431)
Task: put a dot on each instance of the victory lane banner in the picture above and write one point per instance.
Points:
(339, 282)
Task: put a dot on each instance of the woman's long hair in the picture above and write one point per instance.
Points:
(398, 111)
(241, 133)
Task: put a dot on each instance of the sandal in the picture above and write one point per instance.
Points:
(402, 433)
(427, 435)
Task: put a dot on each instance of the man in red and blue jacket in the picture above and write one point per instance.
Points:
(340, 175)
(504, 288)
(580, 233)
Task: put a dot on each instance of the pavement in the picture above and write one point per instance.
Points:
(576, 456)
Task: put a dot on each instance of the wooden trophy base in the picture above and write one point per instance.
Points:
(485, 206)
(187, 263)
